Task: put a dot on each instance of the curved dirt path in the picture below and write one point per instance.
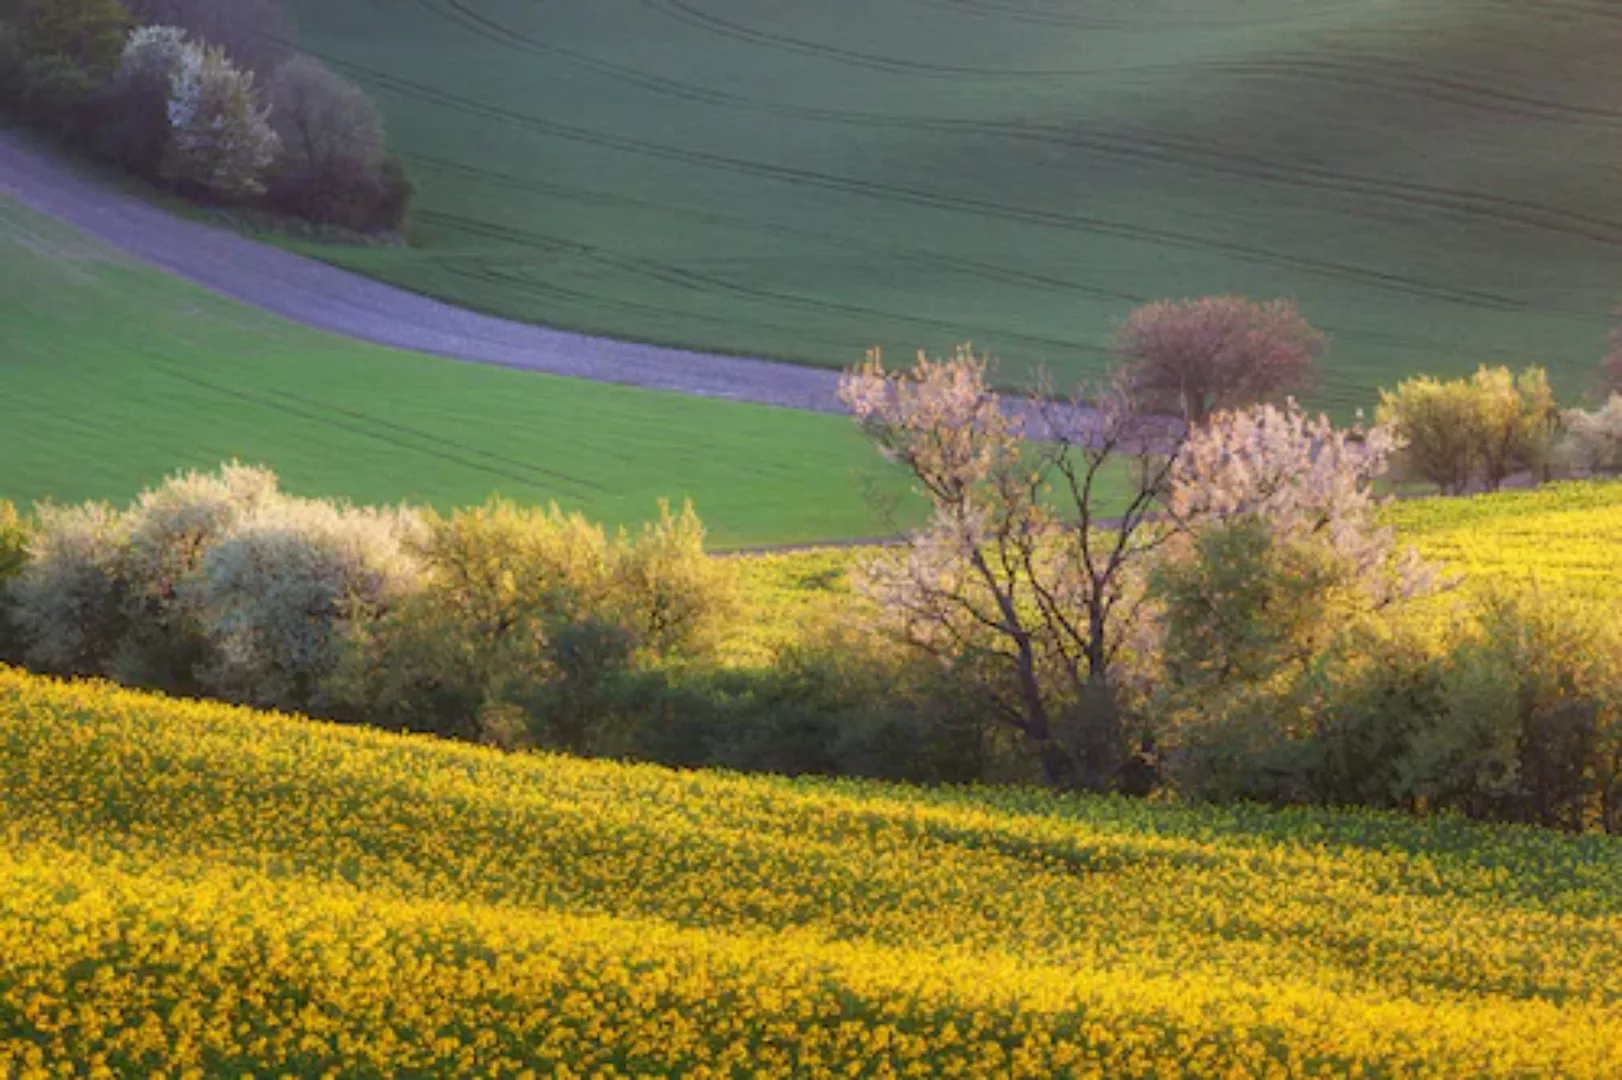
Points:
(318, 295)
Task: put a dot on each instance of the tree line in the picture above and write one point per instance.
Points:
(1234, 627)
(208, 97)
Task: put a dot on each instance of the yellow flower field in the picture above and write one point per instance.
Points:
(1564, 540)
(188, 889)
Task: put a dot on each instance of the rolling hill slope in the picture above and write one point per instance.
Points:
(1433, 180)
(113, 374)
(188, 886)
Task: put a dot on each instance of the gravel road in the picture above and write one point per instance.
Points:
(327, 298)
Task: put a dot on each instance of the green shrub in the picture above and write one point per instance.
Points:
(284, 597)
(1475, 430)
(539, 612)
(1531, 725)
(68, 602)
(16, 532)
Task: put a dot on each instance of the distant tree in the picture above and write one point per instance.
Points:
(222, 138)
(134, 127)
(1195, 357)
(1484, 428)
(1611, 367)
(1014, 584)
(16, 533)
(1516, 420)
(1591, 442)
(87, 33)
(255, 34)
(54, 57)
(331, 135)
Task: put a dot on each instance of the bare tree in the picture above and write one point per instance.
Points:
(330, 129)
(1018, 583)
(1195, 357)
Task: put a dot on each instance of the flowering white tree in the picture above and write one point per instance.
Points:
(1278, 544)
(154, 52)
(1592, 442)
(1015, 584)
(222, 139)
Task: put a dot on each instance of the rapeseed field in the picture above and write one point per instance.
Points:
(1561, 540)
(189, 889)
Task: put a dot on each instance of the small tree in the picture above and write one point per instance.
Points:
(1611, 367)
(1516, 420)
(222, 138)
(1278, 567)
(1278, 546)
(1592, 441)
(331, 132)
(15, 533)
(134, 129)
(1013, 584)
(1481, 428)
(1195, 357)
(284, 596)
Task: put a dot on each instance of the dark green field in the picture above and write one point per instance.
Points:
(1436, 181)
(112, 375)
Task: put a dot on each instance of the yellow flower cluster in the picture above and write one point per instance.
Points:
(188, 889)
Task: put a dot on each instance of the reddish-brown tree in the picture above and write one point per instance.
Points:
(1611, 369)
(1193, 358)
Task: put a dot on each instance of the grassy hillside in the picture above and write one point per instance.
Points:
(112, 375)
(187, 886)
(1434, 180)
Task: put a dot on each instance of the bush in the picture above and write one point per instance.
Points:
(1335, 731)
(1513, 716)
(221, 140)
(538, 613)
(15, 535)
(1531, 725)
(1592, 441)
(1464, 431)
(168, 533)
(68, 602)
(133, 110)
(330, 129)
(287, 592)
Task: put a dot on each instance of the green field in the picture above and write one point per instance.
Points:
(1434, 180)
(113, 375)
(191, 889)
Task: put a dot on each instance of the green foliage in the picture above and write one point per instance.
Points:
(1531, 728)
(1476, 430)
(539, 612)
(16, 532)
(1513, 715)
(87, 33)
